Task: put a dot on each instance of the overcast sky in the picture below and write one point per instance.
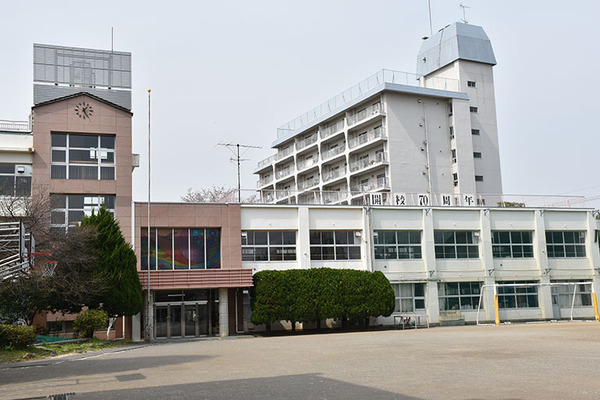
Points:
(234, 71)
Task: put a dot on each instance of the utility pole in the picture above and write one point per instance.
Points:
(237, 158)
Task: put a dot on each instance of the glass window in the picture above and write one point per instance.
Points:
(89, 157)
(397, 245)
(512, 244)
(73, 207)
(410, 297)
(568, 244)
(334, 245)
(182, 248)
(268, 245)
(15, 180)
(517, 294)
(582, 292)
(455, 244)
(459, 295)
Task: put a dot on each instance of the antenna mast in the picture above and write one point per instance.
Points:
(464, 13)
(237, 158)
(430, 23)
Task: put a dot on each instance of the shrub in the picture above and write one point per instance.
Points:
(17, 337)
(89, 321)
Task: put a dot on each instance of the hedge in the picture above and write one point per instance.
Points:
(89, 321)
(15, 336)
(320, 293)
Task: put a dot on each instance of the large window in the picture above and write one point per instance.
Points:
(15, 180)
(565, 244)
(512, 244)
(583, 294)
(82, 156)
(516, 296)
(397, 245)
(459, 295)
(334, 245)
(68, 210)
(456, 244)
(268, 245)
(410, 297)
(181, 248)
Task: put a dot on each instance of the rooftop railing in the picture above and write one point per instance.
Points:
(15, 126)
(379, 78)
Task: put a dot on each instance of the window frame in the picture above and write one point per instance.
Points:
(514, 295)
(62, 167)
(502, 248)
(415, 302)
(90, 203)
(449, 245)
(18, 180)
(564, 248)
(412, 246)
(448, 298)
(250, 247)
(332, 250)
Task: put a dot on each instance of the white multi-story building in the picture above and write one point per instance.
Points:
(425, 138)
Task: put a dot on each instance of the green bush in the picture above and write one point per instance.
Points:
(16, 337)
(89, 321)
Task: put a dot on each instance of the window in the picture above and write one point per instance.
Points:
(583, 294)
(512, 244)
(476, 154)
(268, 245)
(459, 295)
(471, 84)
(453, 155)
(15, 180)
(82, 156)
(451, 132)
(334, 245)
(478, 178)
(565, 244)
(181, 248)
(455, 178)
(473, 109)
(410, 297)
(475, 132)
(517, 296)
(455, 244)
(397, 245)
(68, 210)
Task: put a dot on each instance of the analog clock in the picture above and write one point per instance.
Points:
(84, 110)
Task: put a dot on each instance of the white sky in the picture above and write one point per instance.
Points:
(234, 71)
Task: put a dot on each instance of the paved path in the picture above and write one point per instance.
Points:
(532, 361)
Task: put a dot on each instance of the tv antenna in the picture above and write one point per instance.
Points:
(430, 23)
(235, 149)
(464, 13)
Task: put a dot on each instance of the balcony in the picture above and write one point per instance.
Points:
(309, 162)
(330, 130)
(267, 162)
(306, 142)
(284, 193)
(284, 153)
(326, 155)
(379, 159)
(331, 175)
(307, 184)
(370, 186)
(362, 115)
(282, 173)
(264, 182)
(370, 136)
(334, 197)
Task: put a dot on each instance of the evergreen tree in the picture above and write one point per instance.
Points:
(117, 260)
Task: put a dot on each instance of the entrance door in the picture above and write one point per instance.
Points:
(160, 321)
(175, 322)
(190, 319)
(555, 306)
(203, 317)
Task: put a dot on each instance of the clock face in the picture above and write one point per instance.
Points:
(84, 110)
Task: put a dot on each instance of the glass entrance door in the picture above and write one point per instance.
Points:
(160, 321)
(175, 320)
(191, 317)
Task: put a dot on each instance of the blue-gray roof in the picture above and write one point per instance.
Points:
(455, 41)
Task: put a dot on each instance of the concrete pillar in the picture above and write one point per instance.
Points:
(428, 248)
(223, 312)
(487, 266)
(136, 327)
(149, 320)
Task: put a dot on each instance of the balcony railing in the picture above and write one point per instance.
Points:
(372, 184)
(306, 163)
(367, 162)
(365, 113)
(334, 197)
(264, 181)
(15, 126)
(282, 173)
(283, 193)
(332, 152)
(266, 161)
(330, 130)
(307, 184)
(369, 136)
(331, 175)
(306, 142)
(284, 153)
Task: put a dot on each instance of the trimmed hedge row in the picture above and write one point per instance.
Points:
(316, 294)
(15, 336)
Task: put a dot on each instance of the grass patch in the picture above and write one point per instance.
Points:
(48, 350)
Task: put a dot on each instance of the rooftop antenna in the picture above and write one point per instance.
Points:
(237, 158)
(430, 23)
(464, 13)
